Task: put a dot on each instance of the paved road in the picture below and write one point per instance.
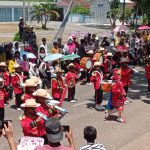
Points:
(132, 135)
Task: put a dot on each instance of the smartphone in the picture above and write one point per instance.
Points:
(65, 128)
(4, 122)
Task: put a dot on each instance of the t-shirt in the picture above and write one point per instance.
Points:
(48, 147)
(93, 147)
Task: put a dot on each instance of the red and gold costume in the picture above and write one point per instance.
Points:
(147, 73)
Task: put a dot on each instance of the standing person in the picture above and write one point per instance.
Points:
(32, 125)
(21, 27)
(118, 96)
(55, 48)
(57, 85)
(3, 96)
(90, 135)
(147, 72)
(33, 71)
(41, 55)
(81, 49)
(60, 45)
(71, 78)
(25, 65)
(16, 47)
(44, 45)
(96, 78)
(17, 83)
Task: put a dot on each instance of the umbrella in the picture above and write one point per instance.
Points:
(143, 28)
(105, 34)
(122, 48)
(29, 55)
(52, 57)
(121, 28)
(71, 57)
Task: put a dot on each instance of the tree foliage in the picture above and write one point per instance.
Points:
(80, 10)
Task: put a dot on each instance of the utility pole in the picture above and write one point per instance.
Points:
(24, 11)
(123, 15)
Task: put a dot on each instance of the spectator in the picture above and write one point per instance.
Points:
(54, 133)
(21, 27)
(7, 132)
(44, 45)
(90, 134)
(55, 48)
(81, 50)
(60, 45)
(16, 47)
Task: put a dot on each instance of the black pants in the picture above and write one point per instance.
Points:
(126, 89)
(88, 76)
(46, 82)
(2, 113)
(71, 93)
(18, 100)
(98, 96)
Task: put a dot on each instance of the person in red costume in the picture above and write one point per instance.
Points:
(3, 95)
(71, 78)
(4, 74)
(126, 74)
(32, 125)
(17, 83)
(30, 87)
(41, 96)
(96, 78)
(118, 96)
(147, 72)
(57, 85)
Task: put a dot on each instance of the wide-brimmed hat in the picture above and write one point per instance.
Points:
(102, 49)
(97, 64)
(20, 18)
(71, 65)
(42, 93)
(90, 52)
(124, 60)
(58, 70)
(109, 54)
(54, 130)
(30, 83)
(2, 80)
(36, 79)
(16, 65)
(3, 64)
(30, 103)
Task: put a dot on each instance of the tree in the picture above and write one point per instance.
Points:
(80, 10)
(43, 13)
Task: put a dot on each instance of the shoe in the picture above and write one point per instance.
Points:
(73, 101)
(18, 109)
(126, 102)
(89, 84)
(120, 119)
(99, 107)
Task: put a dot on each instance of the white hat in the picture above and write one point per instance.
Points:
(90, 52)
(2, 80)
(102, 49)
(3, 64)
(71, 65)
(30, 83)
(97, 64)
(30, 103)
(42, 93)
(124, 60)
(20, 18)
(109, 54)
(36, 79)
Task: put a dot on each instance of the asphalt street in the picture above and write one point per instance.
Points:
(132, 134)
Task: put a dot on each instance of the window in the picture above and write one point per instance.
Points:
(5, 14)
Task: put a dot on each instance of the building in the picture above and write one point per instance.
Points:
(10, 11)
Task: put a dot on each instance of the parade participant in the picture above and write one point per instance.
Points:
(41, 96)
(147, 72)
(96, 78)
(30, 87)
(118, 96)
(37, 81)
(6, 77)
(71, 78)
(32, 125)
(126, 73)
(3, 96)
(17, 82)
(58, 85)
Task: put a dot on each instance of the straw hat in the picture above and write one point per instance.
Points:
(2, 80)
(97, 64)
(102, 49)
(124, 60)
(17, 66)
(36, 79)
(58, 70)
(3, 64)
(30, 83)
(30, 103)
(71, 65)
(109, 54)
(42, 93)
(90, 52)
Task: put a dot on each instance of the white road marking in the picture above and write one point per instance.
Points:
(78, 104)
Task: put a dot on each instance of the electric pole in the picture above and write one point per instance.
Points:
(123, 15)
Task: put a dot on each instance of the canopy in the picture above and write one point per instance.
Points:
(52, 57)
(121, 28)
(70, 57)
(143, 28)
(29, 55)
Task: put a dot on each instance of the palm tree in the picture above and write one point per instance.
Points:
(43, 13)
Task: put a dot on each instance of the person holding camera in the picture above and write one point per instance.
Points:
(90, 134)
(54, 132)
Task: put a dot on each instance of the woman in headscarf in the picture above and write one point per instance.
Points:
(41, 54)
(33, 71)
(16, 47)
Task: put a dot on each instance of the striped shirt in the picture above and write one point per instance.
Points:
(93, 147)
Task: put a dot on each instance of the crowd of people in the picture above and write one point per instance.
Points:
(39, 87)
